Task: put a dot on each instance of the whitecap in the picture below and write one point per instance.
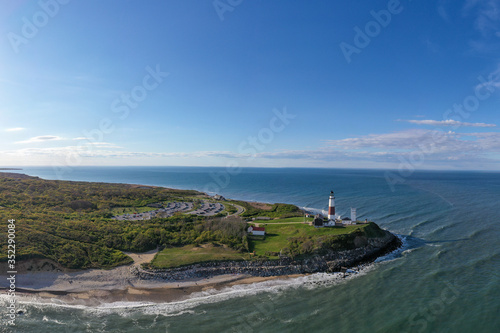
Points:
(211, 296)
(45, 318)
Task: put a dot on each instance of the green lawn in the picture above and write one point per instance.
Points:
(191, 254)
(276, 238)
(277, 235)
(286, 220)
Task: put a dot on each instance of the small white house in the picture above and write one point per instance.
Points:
(257, 231)
(334, 221)
(329, 223)
(346, 220)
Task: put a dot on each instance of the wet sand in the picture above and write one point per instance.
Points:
(168, 293)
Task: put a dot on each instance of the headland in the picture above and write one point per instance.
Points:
(96, 242)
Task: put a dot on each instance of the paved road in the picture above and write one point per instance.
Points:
(239, 210)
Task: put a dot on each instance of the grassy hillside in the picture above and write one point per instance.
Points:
(286, 237)
(302, 239)
(275, 210)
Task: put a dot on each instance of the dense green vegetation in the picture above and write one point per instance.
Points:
(70, 223)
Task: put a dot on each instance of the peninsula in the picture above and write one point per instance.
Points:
(148, 236)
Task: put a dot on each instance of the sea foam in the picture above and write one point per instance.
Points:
(210, 296)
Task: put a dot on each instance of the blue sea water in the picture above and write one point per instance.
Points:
(445, 279)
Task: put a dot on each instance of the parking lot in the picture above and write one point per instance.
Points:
(167, 211)
(206, 209)
(209, 209)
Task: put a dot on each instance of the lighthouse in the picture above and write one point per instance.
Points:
(331, 207)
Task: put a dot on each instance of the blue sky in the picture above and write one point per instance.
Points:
(367, 84)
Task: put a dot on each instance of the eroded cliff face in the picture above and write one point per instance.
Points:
(35, 265)
(365, 249)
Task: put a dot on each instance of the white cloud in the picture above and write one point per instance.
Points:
(15, 129)
(434, 145)
(95, 143)
(434, 149)
(409, 139)
(492, 84)
(448, 122)
(42, 138)
(47, 138)
(437, 149)
(104, 144)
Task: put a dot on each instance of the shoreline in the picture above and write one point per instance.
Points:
(48, 281)
(95, 287)
(154, 294)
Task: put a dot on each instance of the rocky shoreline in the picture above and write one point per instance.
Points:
(333, 261)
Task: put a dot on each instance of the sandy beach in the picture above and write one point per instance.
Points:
(160, 293)
(48, 281)
(96, 286)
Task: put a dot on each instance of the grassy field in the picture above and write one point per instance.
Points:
(277, 235)
(286, 220)
(191, 254)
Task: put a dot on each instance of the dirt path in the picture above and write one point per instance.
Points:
(141, 258)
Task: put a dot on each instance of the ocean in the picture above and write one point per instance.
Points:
(445, 278)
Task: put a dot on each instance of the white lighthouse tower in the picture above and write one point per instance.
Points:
(331, 207)
(353, 215)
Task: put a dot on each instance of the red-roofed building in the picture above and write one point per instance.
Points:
(257, 231)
